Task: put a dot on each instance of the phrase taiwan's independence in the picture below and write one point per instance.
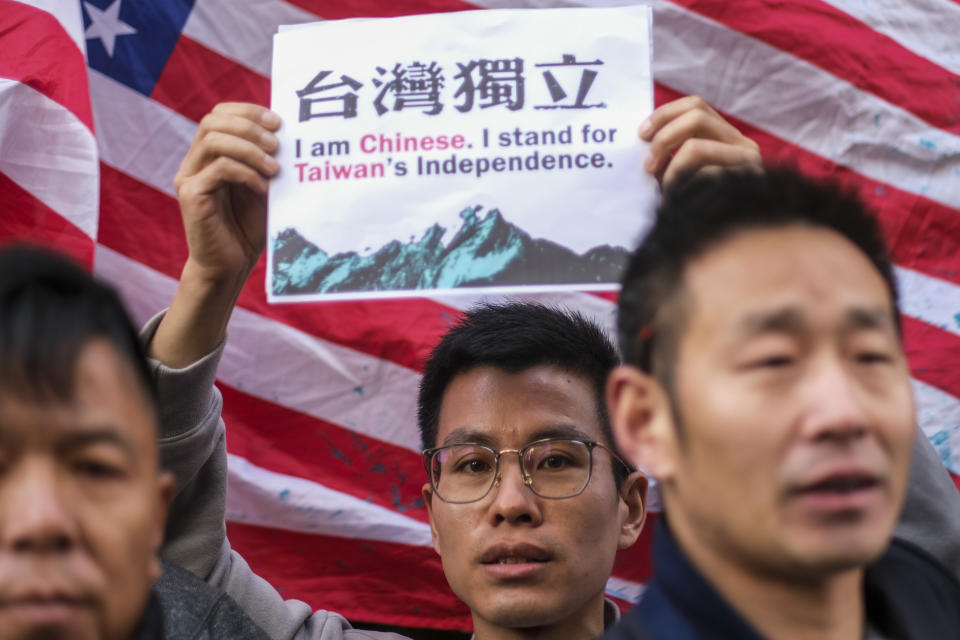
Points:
(421, 164)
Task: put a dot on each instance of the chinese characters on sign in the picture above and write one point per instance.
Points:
(419, 86)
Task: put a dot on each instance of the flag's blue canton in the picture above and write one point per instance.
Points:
(139, 58)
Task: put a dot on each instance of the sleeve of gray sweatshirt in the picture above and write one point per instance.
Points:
(193, 447)
(931, 512)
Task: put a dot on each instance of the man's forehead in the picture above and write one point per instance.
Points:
(490, 405)
(755, 270)
(105, 404)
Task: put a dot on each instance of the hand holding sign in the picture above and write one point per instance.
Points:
(222, 188)
(689, 135)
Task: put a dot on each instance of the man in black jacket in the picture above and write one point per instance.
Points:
(768, 392)
(82, 498)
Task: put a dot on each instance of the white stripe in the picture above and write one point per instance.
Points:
(68, 15)
(938, 414)
(929, 28)
(930, 299)
(268, 499)
(245, 36)
(278, 363)
(140, 137)
(48, 151)
(625, 589)
(798, 102)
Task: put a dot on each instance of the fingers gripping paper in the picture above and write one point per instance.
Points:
(482, 150)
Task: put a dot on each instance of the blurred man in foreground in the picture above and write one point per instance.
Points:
(82, 496)
(768, 392)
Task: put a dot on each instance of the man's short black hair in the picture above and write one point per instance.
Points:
(514, 337)
(50, 309)
(704, 210)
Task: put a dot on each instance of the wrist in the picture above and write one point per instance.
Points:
(213, 283)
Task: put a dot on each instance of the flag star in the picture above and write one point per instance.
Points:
(106, 25)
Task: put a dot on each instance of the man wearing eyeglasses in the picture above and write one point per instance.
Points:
(528, 500)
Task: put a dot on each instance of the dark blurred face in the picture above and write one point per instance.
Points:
(82, 506)
(797, 411)
(519, 560)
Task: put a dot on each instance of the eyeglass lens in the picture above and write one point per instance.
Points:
(556, 468)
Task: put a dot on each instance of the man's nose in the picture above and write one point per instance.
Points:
(36, 515)
(513, 500)
(837, 409)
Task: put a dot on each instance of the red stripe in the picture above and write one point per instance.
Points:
(39, 53)
(224, 80)
(286, 441)
(933, 355)
(848, 49)
(399, 330)
(956, 479)
(363, 580)
(922, 234)
(337, 9)
(26, 219)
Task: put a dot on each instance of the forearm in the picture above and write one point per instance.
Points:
(191, 441)
(196, 322)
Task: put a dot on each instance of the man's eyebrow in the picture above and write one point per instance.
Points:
(560, 431)
(467, 435)
(788, 320)
(94, 436)
(876, 318)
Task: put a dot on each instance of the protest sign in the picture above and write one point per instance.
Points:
(481, 150)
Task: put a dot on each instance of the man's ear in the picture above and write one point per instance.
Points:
(642, 421)
(633, 494)
(167, 490)
(427, 494)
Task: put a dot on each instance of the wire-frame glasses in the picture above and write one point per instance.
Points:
(553, 468)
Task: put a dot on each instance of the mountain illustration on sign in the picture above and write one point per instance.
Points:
(485, 252)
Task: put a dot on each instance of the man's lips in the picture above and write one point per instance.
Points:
(44, 608)
(845, 489)
(514, 553)
(511, 561)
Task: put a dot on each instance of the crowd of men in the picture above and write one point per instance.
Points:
(760, 380)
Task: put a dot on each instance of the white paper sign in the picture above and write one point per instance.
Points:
(483, 149)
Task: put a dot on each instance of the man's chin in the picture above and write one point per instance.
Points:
(522, 610)
(47, 632)
(838, 555)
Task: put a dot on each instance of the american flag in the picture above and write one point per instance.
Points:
(100, 99)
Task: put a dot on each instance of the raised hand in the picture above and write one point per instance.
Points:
(689, 135)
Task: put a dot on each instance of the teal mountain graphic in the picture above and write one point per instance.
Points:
(487, 251)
